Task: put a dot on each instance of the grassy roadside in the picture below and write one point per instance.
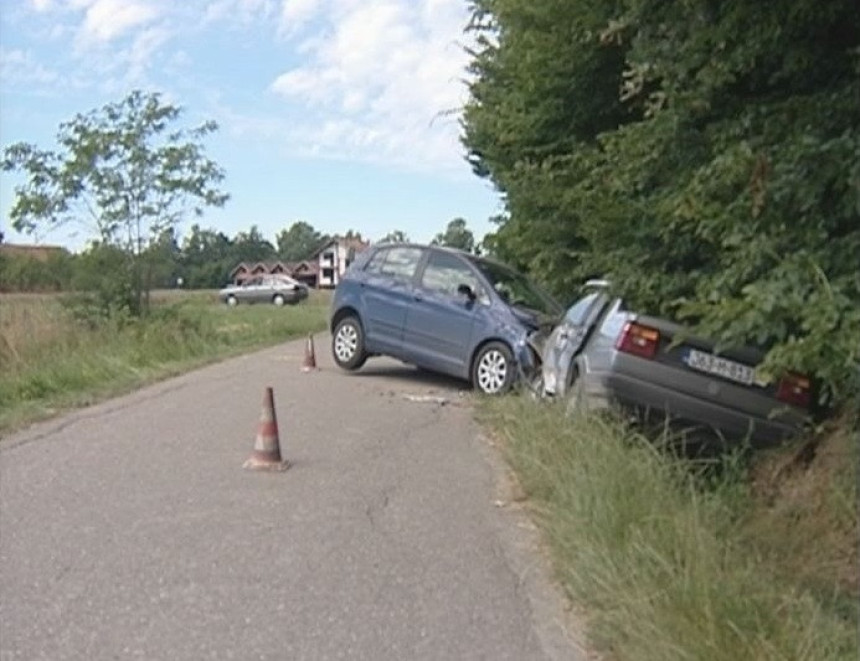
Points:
(49, 361)
(759, 563)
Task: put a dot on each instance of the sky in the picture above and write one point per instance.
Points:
(340, 113)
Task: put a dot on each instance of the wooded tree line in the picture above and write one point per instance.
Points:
(202, 259)
(703, 155)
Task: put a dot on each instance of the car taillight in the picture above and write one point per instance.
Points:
(795, 389)
(638, 340)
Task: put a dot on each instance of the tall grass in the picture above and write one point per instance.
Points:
(665, 567)
(49, 359)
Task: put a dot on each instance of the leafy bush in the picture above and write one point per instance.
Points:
(703, 156)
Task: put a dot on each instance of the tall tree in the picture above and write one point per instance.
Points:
(700, 154)
(207, 257)
(395, 236)
(298, 242)
(456, 235)
(127, 171)
(252, 246)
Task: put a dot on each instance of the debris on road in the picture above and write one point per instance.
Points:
(426, 399)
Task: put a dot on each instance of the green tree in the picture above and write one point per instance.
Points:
(252, 246)
(395, 236)
(353, 234)
(298, 242)
(162, 260)
(206, 258)
(456, 235)
(702, 155)
(125, 171)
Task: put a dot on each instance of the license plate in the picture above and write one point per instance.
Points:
(718, 366)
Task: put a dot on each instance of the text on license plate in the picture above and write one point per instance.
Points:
(728, 369)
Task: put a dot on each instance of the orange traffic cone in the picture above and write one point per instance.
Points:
(310, 362)
(267, 447)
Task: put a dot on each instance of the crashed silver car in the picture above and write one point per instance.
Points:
(603, 354)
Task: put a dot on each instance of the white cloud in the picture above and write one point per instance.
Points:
(17, 67)
(368, 80)
(380, 78)
(106, 20)
(240, 12)
(295, 13)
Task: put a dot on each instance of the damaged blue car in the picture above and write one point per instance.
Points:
(443, 310)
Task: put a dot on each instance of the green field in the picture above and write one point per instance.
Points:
(52, 359)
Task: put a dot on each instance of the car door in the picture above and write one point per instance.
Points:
(440, 318)
(250, 290)
(266, 289)
(567, 340)
(386, 293)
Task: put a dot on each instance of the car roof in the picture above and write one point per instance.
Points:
(455, 251)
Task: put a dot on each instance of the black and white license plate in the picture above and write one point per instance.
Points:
(719, 366)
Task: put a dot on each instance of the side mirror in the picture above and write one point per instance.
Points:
(466, 290)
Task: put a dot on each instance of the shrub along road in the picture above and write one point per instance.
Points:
(130, 530)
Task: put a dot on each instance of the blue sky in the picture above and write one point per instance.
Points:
(335, 112)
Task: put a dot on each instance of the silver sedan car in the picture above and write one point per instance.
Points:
(602, 353)
(276, 289)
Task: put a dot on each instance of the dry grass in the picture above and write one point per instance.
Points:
(805, 514)
(31, 324)
(50, 362)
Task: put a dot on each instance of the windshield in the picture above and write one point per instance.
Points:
(516, 289)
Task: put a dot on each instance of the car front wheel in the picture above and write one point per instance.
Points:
(347, 344)
(278, 299)
(493, 369)
(232, 301)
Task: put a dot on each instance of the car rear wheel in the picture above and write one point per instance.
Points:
(232, 301)
(278, 299)
(493, 369)
(347, 344)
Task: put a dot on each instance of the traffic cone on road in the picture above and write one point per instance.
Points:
(309, 364)
(267, 446)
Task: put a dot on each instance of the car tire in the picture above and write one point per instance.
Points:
(232, 301)
(278, 299)
(347, 344)
(493, 369)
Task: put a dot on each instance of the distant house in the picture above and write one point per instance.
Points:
(305, 272)
(334, 257)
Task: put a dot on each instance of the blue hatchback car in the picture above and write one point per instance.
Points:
(443, 310)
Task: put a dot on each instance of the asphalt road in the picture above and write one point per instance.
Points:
(129, 530)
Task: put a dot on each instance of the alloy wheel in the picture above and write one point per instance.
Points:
(346, 342)
(492, 372)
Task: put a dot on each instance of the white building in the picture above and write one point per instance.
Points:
(334, 257)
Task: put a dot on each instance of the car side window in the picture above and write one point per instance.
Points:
(374, 264)
(444, 273)
(578, 312)
(396, 263)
